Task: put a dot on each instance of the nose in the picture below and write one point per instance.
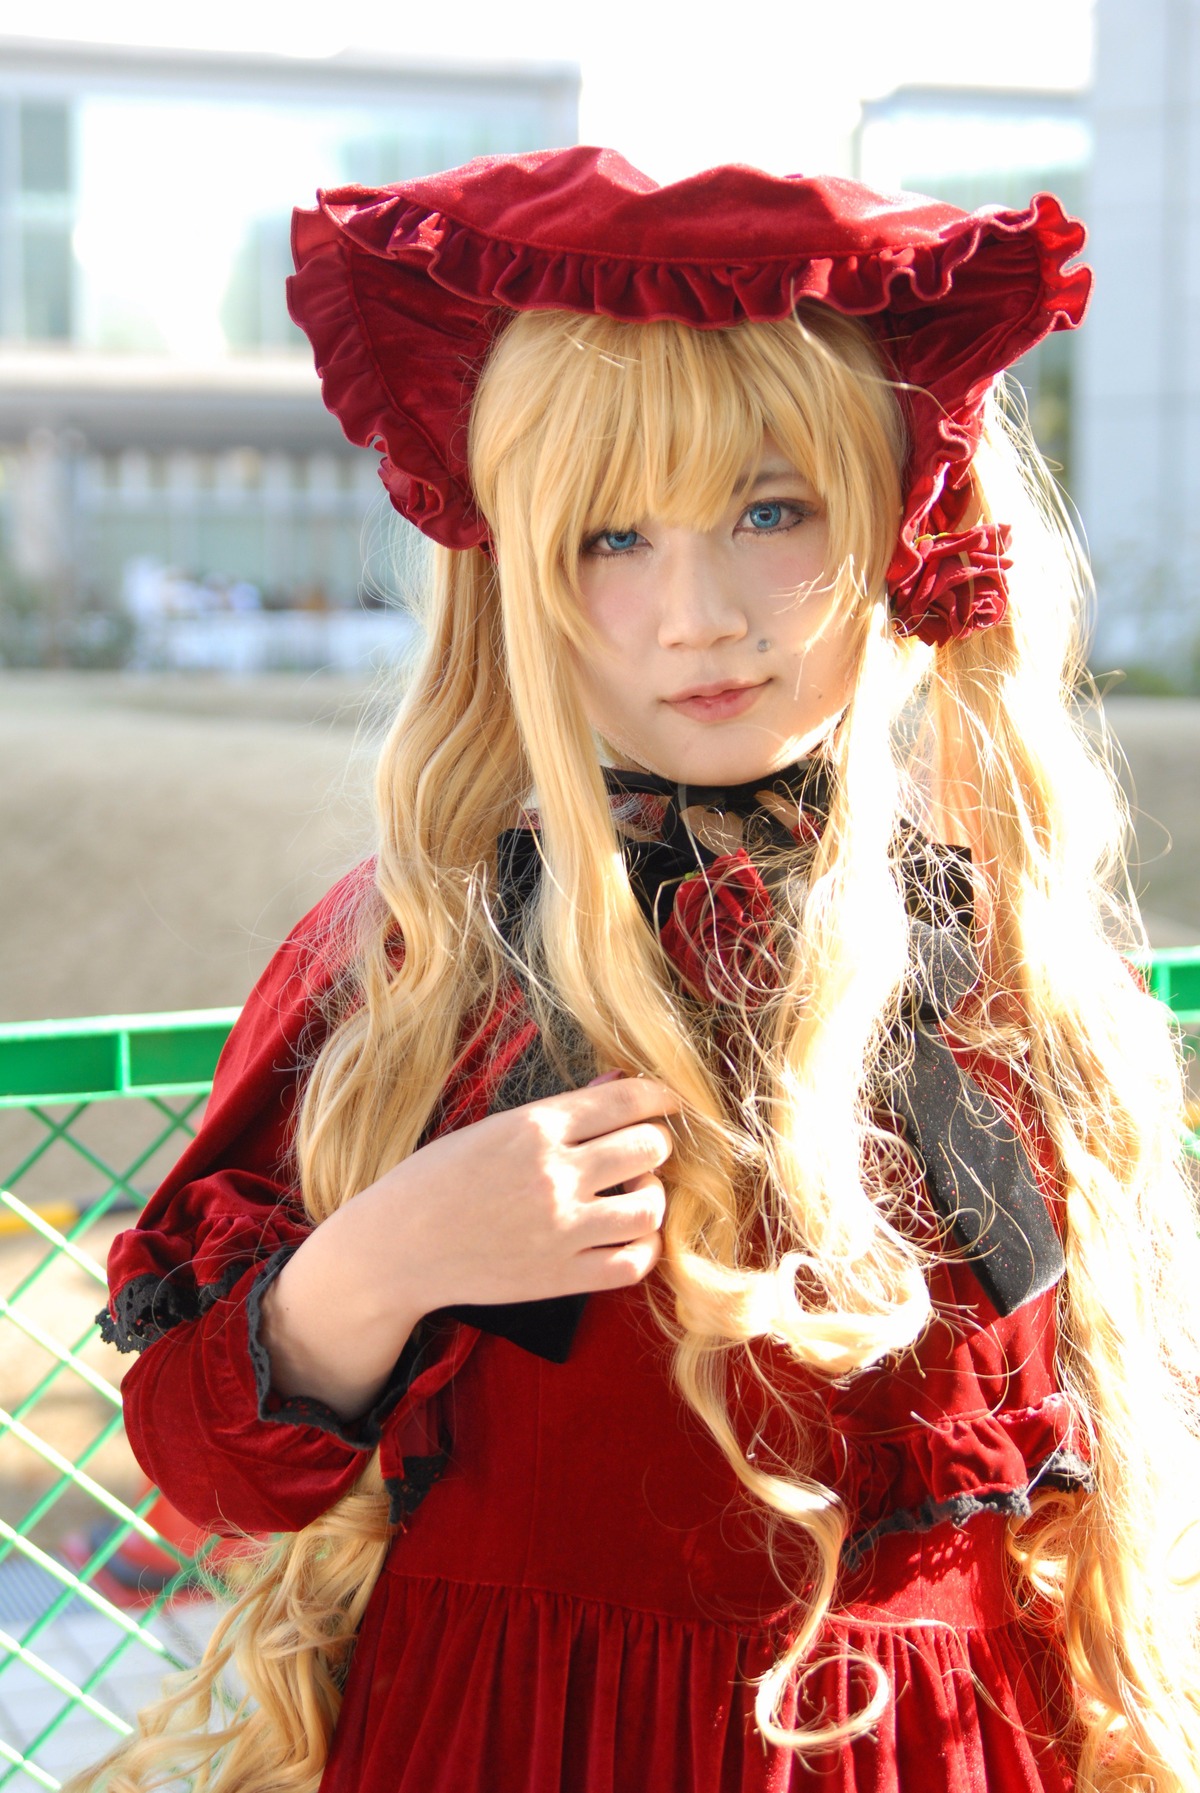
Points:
(699, 603)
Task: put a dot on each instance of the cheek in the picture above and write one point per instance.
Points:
(614, 617)
(824, 658)
(605, 687)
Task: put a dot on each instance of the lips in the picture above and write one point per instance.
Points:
(717, 702)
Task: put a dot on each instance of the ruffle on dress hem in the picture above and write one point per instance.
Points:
(401, 292)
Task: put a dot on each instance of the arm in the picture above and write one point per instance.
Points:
(554, 1198)
(276, 1353)
(187, 1280)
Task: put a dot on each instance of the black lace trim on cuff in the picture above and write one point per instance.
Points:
(1063, 1470)
(359, 1434)
(149, 1306)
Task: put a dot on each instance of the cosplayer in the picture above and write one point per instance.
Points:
(757, 1354)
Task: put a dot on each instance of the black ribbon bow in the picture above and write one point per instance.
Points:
(976, 1171)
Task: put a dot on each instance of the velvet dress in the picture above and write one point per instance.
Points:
(578, 1596)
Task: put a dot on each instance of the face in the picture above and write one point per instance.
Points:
(678, 681)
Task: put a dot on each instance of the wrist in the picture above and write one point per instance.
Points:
(331, 1324)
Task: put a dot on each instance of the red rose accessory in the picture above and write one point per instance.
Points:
(401, 291)
(718, 932)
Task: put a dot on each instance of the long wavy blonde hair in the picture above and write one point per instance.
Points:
(581, 423)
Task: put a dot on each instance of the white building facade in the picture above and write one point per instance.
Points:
(163, 447)
(1138, 398)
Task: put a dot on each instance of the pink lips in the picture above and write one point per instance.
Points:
(716, 703)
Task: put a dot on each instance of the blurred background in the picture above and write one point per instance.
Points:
(195, 567)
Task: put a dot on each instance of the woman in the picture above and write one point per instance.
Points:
(756, 1353)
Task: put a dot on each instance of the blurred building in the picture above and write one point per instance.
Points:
(163, 448)
(1139, 412)
(975, 146)
(1118, 406)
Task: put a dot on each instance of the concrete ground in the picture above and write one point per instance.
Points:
(160, 834)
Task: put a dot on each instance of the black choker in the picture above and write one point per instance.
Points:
(806, 786)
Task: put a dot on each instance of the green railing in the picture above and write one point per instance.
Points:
(92, 1114)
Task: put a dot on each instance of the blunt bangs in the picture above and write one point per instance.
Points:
(586, 423)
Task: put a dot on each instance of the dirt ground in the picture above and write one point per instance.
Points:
(159, 837)
(160, 834)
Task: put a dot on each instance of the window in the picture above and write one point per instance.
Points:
(46, 273)
(44, 134)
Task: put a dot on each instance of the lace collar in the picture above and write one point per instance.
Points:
(778, 810)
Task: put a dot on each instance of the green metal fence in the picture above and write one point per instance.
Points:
(92, 1113)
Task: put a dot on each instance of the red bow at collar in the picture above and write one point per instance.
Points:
(718, 934)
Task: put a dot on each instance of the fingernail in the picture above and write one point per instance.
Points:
(606, 1077)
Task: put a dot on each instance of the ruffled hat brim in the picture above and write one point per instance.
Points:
(401, 291)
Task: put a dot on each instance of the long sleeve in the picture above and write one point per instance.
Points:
(187, 1280)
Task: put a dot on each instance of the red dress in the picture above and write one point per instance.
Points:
(583, 1598)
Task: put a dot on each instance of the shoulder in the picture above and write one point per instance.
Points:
(230, 1199)
(302, 977)
(278, 1033)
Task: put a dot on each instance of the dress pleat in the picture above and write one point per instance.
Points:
(584, 1602)
(468, 1689)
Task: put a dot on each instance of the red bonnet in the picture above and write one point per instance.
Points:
(401, 290)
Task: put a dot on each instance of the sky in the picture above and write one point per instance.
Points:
(777, 83)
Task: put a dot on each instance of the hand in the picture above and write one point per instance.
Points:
(558, 1197)
(512, 1208)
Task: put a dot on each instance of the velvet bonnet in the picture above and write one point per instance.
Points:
(402, 290)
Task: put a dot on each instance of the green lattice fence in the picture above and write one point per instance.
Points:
(92, 1113)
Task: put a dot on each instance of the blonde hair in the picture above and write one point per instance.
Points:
(579, 423)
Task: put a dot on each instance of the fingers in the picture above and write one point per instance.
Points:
(615, 1220)
(627, 1240)
(620, 1158)
(604, 1108)
(627, 1265)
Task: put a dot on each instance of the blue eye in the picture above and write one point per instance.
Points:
(613, 541)
(765, 516)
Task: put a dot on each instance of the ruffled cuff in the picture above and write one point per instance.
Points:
(147, 1307)
(233, 1456)
(406, 1421)
(967, 1465)
(360, 1434)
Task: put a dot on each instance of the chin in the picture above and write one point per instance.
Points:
(717, 757)
(741, 763)
(721, 768)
